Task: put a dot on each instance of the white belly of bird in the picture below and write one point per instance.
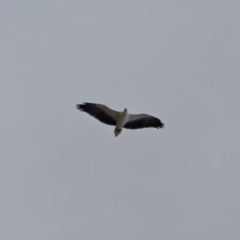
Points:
(122, 120)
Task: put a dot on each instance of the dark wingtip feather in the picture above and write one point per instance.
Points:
(160, 124)
(80, 107)
(157, 123)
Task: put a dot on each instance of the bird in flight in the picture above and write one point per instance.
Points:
(120, 119)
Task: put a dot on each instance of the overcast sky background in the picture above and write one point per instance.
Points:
(64, 175)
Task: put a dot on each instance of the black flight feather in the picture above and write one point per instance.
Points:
(93, 110)
(144, 123)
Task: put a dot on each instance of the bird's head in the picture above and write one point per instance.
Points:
(117, 131)
(125, 110)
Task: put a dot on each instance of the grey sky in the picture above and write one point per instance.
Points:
(64, 175)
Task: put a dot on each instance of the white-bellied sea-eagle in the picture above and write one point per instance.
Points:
(120, 119)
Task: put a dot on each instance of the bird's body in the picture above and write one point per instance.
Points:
(120, 119)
